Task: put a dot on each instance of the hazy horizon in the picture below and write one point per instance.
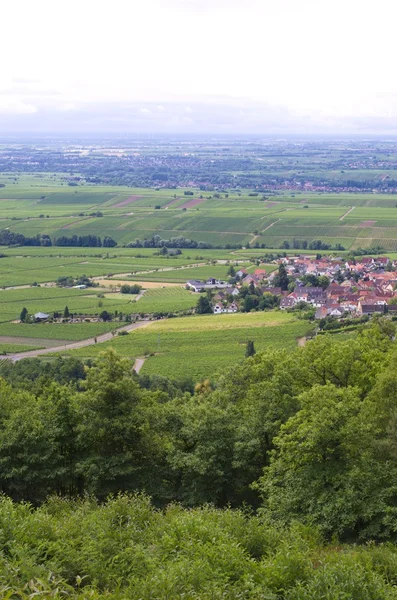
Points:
(199, 66)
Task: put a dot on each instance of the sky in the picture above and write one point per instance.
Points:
(202, 66)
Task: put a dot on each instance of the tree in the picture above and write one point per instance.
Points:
(318, 471)
(109, 242)
(66, 312)
(105, 316)
(268, 300)
(203, 306)
(250, 349)
(250, 302)
(281, 279)
(231, 271)
(114, 441)
(23, 315)
(323, 281)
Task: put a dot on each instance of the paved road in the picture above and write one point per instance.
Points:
(105, 337)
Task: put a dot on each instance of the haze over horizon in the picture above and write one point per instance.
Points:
(196, 66)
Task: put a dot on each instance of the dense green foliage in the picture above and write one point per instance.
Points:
(318, 420)
(126, 549)
(307, 439)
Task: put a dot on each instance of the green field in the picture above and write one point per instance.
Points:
(56, 331)
(36, 204)
(203, 345)
(170, 299)
(40, 204)
(52, 299)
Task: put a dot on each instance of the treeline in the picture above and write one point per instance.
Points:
(176, 242)
(87, 241)
(9, 238)
(314, 245)
(298, 435)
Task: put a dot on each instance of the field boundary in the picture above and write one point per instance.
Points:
(342, 218)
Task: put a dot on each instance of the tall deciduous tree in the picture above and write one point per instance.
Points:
(111, 432)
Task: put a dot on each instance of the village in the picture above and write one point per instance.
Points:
(332, 286)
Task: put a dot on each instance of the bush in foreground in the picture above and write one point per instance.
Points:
(127, 549)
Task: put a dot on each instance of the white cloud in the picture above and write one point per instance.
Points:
(333, 61)
(14, 106)
(68, 107)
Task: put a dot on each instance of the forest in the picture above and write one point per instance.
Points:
(278, 480)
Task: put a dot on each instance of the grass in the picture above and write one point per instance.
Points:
(57, 331)
(170, 299)
(15, 348)
(203, 346)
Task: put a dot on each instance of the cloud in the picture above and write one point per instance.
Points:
(11, 105)
(68, 107)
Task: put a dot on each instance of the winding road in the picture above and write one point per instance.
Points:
(104, 337)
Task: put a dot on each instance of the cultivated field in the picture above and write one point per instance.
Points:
(202, 346)
(56, 331)
(41, 204)
(36, 205)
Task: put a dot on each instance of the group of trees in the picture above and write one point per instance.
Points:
(307, 439)
(313, 245)
(9, 238)
(251, 298)
(135, 288)
(68, 281)
(85, 241)
(315, 429)
(176, 242)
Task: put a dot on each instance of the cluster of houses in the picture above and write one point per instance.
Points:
(362, 287)
(225, 298)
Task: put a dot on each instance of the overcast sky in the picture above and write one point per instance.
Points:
(255, 66)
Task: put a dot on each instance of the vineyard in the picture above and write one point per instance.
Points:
(203, 346)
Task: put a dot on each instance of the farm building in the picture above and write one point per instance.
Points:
(41, 316)
(210, 284)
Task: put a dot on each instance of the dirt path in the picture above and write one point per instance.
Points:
(138, 364)
(139, 296)
(271, 225)
(347, 213)
(105, 337)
